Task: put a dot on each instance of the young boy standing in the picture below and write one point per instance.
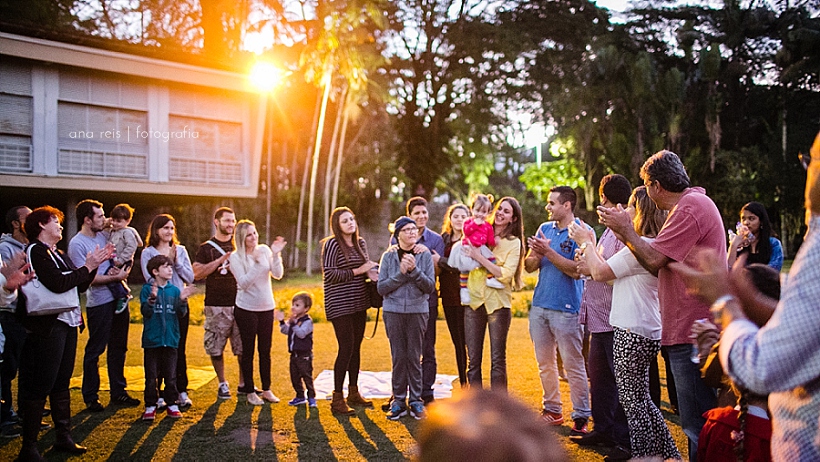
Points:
(161, 304)
(299, 329)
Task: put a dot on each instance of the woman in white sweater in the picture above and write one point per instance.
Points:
(253, 264)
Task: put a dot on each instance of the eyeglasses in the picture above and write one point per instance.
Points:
(805, 159)
(408, 229)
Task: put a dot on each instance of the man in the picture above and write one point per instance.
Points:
(693, 222)
(105, 328)
(781, 359)
(554, 313)
(611, 427)
(212, 264)
(11, 244)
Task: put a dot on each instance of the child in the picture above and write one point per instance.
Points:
(125, 240)
(477, 233)
(299, 329)
(162, 304)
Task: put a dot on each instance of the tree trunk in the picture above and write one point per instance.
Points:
(340, 156)
(334, 143)
(313, 172)
(298, 232)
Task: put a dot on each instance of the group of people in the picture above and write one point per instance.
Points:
(637, 289)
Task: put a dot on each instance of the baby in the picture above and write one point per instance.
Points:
(126, 240)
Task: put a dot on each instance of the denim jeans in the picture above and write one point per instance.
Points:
(105, 330)
(694, 397)
(551, 328)
(476, 323)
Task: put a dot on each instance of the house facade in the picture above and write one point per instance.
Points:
(76, 118)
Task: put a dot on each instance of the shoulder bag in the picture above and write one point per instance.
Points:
(42, 302)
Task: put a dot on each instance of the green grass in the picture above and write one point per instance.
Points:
(233, 430)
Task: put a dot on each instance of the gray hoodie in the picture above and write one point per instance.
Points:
(406, 293)
(9, 247)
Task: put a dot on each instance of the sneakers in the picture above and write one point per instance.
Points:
(94, 406)
(173, 412)
(494, 284)
(150, 413)
(299, 400)
(184, 402)
(122, 304)
(224, 391)
(10, 430)
(125, 400)
(464, 293)
(312, 402)
(552, 418)
(161, 404)
(268, 396)
(254, 399)
(579, 426)
(417, 410)
(397, 410)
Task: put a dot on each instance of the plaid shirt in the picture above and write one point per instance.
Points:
(783, 357)
(597, 301)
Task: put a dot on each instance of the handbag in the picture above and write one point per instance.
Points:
(376, 301)
(42, 302)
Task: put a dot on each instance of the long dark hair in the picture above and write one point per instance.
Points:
(513, 230)
(335, 218)
(764, 247)
(152, 239)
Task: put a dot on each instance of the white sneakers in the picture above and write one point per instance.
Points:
(494, 284)
(261, 398)
(184, 401)
(224, 391)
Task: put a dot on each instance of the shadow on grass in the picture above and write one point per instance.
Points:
(379, 447)
(312, 441)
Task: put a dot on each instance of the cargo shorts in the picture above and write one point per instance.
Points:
(219, 327)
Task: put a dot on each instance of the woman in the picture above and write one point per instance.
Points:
(406, 279)
(252, 265)
(448, 280)
(636, 319)
(490, 309)
(755, 237)
(47, 362)
(345, 267)
(162, 240)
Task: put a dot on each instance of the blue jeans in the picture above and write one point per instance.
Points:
(476, 322)
(550, 329)
(105, 330)
(607, 412)
(694, 397)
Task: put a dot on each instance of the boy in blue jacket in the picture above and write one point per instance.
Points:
(299, 329)
(161, 304)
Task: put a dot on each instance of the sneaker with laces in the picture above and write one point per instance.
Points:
(298, 400)
(312, 402)
(161, 404)
(254, 399)
(150, 413)
(224, 391)
(125, 400)
(397, 410)
(268, 396)
(173, 412)
(417, 410)
(579, 426)
(10, 430)
(184, 402)
(552, 418)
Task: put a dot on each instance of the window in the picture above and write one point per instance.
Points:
(16, 110)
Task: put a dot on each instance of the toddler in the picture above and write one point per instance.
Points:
(125, 240)
(299, 329)
(161, 304)
(479, 233)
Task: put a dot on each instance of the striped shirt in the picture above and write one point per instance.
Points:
(597, 301)
(344, 293)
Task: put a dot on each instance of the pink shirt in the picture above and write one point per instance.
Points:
(693, 223)
(478, 235)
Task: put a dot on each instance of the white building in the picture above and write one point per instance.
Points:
(75, 118)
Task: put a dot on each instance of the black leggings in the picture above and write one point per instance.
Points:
(255, 329)
(349, 334)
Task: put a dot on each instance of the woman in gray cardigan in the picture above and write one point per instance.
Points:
(406, 278)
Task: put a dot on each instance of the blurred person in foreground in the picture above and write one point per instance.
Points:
(487, 426)
(782, 358)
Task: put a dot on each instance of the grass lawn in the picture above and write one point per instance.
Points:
(234, 430)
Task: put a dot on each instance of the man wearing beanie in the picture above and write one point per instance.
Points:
(406, 279)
